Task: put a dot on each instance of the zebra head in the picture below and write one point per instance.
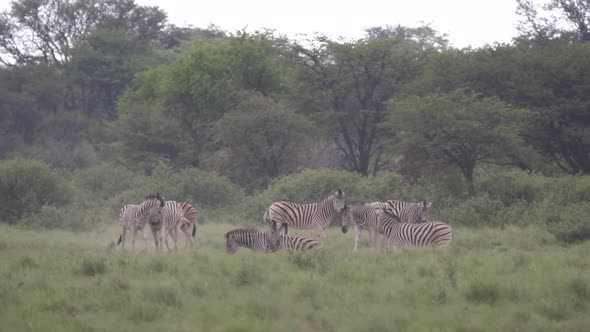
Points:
(231, 245)
(153, 204)
(423, 210)
(274, 235)
(347, 218)
(338, 200)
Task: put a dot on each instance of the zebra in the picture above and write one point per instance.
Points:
(266, 241)
(404, 235)
(133, 217)
(307, 216)
(173, 217)
(404, 212)
(362, 217)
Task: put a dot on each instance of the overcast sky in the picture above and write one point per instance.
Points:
(467, 22)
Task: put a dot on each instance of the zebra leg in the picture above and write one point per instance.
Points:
(165, 234)
(145, 244)
(133, 234)
(357, 235)
(371, 238)
(155, 234)
(321, 235)
(175, 237)
(123, 238)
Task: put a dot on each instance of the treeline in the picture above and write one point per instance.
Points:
(100, 85)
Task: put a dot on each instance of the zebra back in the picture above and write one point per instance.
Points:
(305, 216)
(405, 212)
(297, 243)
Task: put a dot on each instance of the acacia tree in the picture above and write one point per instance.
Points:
(461, 128)
(348, 83)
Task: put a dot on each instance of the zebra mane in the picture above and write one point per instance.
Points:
(156, 197)
(331, 195)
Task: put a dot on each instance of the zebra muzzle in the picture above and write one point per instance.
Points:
(344, 229)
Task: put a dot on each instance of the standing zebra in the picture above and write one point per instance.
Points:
(172, 219)
(266, 241)
(307, 216)
(133, 217)
(362, 216)
(404, 235)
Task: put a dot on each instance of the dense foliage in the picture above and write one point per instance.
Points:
(103, 102)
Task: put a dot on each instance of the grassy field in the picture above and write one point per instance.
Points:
(491, 280)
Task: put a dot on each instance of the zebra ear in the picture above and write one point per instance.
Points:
(340, 192)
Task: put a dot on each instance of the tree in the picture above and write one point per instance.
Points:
(207, 81)
(565, 20)
(261, 139)
(461, 128)
(349, 82)
(48, 30)
(550, 81)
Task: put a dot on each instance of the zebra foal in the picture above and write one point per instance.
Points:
(134, 217)
(362, 216)
(307, 216)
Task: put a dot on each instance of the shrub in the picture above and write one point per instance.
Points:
(569, 223)
(105, 180)
(76, 217)
(27, 185)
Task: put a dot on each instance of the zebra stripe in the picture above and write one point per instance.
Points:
(133, 217)
(362, 217)
(171, 220)
(246, 238)
(405, 212)
(261, 241)
(190, 215)
(307, 216)
(404, 235)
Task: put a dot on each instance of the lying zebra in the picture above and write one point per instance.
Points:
(405, 235)
(263, 241)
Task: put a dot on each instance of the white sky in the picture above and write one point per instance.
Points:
(467, 22)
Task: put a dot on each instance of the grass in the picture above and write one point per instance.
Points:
(512, 279)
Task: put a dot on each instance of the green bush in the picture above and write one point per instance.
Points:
(27, 185)
(105, 180)
(75, 216)
(569, 223)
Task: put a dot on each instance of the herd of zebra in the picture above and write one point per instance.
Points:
(392, 224)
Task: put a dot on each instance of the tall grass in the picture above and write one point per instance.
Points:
(513, 279)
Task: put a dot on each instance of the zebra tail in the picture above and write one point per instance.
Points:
(194, 229)
(120, 239)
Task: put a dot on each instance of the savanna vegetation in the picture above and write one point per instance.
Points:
(103, 102)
